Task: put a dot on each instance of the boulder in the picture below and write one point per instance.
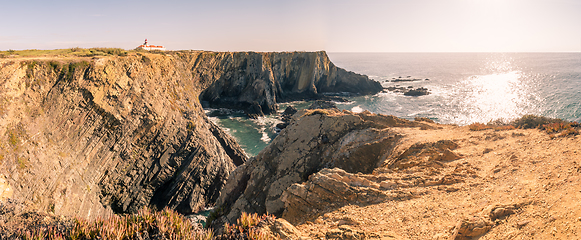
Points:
(286, 117)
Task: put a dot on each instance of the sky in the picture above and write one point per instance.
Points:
(296, 25)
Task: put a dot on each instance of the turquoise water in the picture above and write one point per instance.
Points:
(252, 134)
(465, 88)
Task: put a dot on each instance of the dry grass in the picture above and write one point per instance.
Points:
(315, 112)
(552, 126)
(69, 52)
(423, 119)
(561, 129)
(146, 224)
(478, 127)
(247, 227)
(533, 121)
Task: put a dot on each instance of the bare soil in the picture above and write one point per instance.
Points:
(535, 178)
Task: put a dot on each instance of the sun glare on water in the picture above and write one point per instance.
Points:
(499, 94)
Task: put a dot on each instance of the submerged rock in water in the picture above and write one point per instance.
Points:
(417, 92)
(323, 104)
(409, 91)
(286, 117)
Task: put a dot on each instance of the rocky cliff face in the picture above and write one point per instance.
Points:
(255, 82)
(314, 140)
(87, 136)
(92, 136)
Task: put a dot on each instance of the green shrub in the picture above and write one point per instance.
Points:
(74, 66)
(55, 66)
(533, 121)
(13, 138)
(21, 163)
(423, 119)
(105, 52)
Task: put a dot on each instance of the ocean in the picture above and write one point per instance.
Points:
(464, 88)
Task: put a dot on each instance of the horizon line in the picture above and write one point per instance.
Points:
(168, 50)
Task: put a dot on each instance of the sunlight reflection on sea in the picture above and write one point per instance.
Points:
(504, 93)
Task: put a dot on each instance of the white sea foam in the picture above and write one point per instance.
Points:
(266, 127)
(357, 109)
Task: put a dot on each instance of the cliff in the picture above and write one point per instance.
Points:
(315, 140)
(340, 175)
(92, 136)
(255, 82)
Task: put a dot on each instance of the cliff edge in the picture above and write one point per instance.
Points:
(91, 136)
(340, 175)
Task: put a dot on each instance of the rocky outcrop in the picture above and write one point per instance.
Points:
(314, 140)
(255, 82)
(478, 225)
(286, 117)
(92, 136)
(322, 104)
(425, 155)
(335, 187)
(417, 92)
(409, 91)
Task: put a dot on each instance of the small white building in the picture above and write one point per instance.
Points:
(148, 47)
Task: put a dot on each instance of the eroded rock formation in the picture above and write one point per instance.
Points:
(314, 140)
(92, 136)
(255, 82)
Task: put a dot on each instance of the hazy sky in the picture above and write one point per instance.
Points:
(304, 25)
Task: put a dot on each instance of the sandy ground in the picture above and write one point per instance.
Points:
(527, 169)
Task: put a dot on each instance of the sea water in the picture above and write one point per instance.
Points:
(464, 88)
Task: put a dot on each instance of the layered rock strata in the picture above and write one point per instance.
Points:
(92, 136)
(314, 140)
(438, 182)
(255, 82)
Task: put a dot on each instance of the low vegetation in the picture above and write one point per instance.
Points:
(533, 121)
(312, 112)
(423, 119)
(69, 52)
(561, 129)
(247, 227)
(146, 224)
(492, 125)
(553, 126)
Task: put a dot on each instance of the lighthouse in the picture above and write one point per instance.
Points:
(148, 47)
